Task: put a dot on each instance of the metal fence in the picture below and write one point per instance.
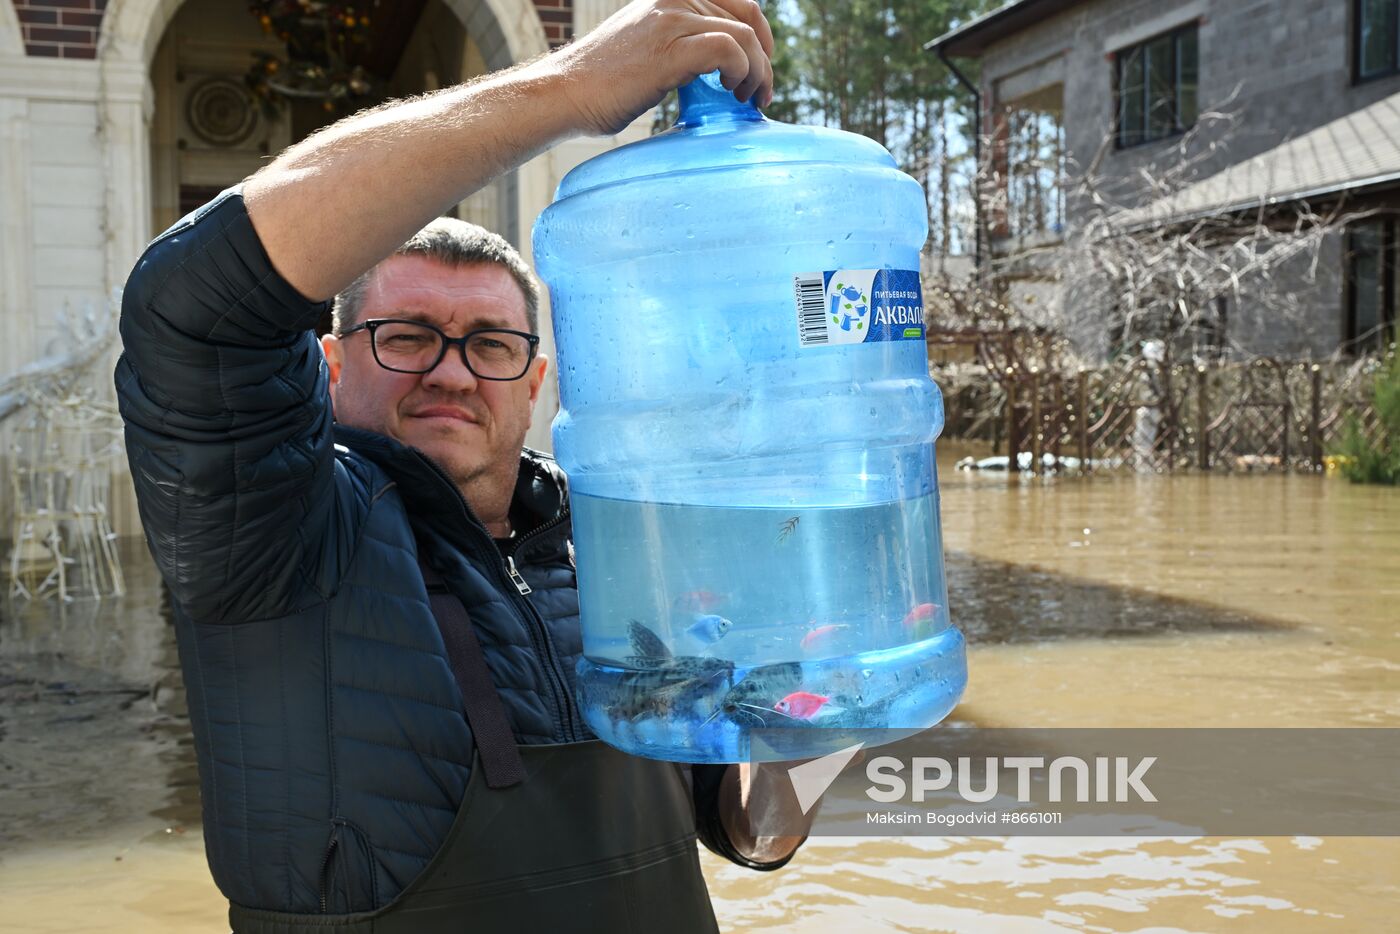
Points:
(1011, 388)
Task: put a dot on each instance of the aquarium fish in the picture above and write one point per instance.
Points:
(708, 628)
(757, 690)
(657, 685)
(753, 716)
(766, 683)
(645, 643)
(654, 657)
(821, 637)
(698, 601)
(803, 705)
(921, 613)
(694, 686)
(640, 673)
(919, 621)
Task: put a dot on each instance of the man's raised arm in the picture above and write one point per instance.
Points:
(335, 204)
(221, 384)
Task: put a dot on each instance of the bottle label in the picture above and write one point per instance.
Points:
(858, 306)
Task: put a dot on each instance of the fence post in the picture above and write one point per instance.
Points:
(1315, 418)
(1037, 432)
(1082, 414)
(1202, 419)
(1171, 410)
(1013, 428)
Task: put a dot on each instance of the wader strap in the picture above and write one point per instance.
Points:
(495, 743)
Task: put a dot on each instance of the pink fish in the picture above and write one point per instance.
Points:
(801, 704)
(819, 638)
(698, 601)
(920, 614)
(919, 621)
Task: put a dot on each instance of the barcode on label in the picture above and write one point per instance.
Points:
(811, 309)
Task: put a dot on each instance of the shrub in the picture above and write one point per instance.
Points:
(1368, 460)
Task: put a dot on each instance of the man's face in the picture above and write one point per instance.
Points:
(473, 428)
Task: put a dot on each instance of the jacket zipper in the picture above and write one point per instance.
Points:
(539, 530)
(516, 577)
(575, 719)
(563, 704)
(325, 867)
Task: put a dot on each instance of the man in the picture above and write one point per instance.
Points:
(377, 618)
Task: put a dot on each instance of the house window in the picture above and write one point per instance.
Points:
(1157, 87)
(1375, 39)
(1370, 285)
(1035, 164)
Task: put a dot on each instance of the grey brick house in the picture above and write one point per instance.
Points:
(1312, 88)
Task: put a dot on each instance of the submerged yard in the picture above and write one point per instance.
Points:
(1148, 601)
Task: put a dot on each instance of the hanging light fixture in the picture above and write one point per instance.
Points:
(324, 42)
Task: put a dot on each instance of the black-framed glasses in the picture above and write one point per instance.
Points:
(417, 347)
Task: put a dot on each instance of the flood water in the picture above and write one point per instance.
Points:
(1103, 602)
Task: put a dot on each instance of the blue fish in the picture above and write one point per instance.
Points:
(708, 628)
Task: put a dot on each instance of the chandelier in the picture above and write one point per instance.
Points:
(324, 42)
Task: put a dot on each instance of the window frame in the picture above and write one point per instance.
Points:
(1119, 57)
(1017, 118)
(1352, 343)
(1357, 6)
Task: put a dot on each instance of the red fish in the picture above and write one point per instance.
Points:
(698, 601)
(801, 704)
(820, 637)
(918, 622)
(922, 613)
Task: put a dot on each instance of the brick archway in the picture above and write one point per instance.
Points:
(73, 28)
(60, 28)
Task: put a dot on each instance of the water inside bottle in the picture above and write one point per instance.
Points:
(702, 623)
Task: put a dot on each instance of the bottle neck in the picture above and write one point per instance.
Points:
(705, 101)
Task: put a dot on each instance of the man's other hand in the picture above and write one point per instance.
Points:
(760, 812)
(628, 64)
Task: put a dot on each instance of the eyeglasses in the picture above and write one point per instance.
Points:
(418, 347)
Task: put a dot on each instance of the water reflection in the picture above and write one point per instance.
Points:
(981, 885)
(93, 730)
(92, 706)
(996, 602)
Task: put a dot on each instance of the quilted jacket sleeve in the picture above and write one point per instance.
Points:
(223, 390)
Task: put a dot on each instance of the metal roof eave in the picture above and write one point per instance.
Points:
(1362, 186)
(972, 38)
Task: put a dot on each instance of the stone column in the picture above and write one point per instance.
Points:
(125, 112)
(16, 258)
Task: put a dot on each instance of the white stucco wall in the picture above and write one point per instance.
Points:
(10, 42)
(67, 230)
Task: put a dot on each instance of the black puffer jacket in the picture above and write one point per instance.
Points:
(332, 747)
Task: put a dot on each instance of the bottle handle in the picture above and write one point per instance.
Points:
(705, 100)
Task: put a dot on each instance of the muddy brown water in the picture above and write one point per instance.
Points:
(1113, 601)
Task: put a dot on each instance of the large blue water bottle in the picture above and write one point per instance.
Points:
(747, 423)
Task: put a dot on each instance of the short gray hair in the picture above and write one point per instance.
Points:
(454, 243)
